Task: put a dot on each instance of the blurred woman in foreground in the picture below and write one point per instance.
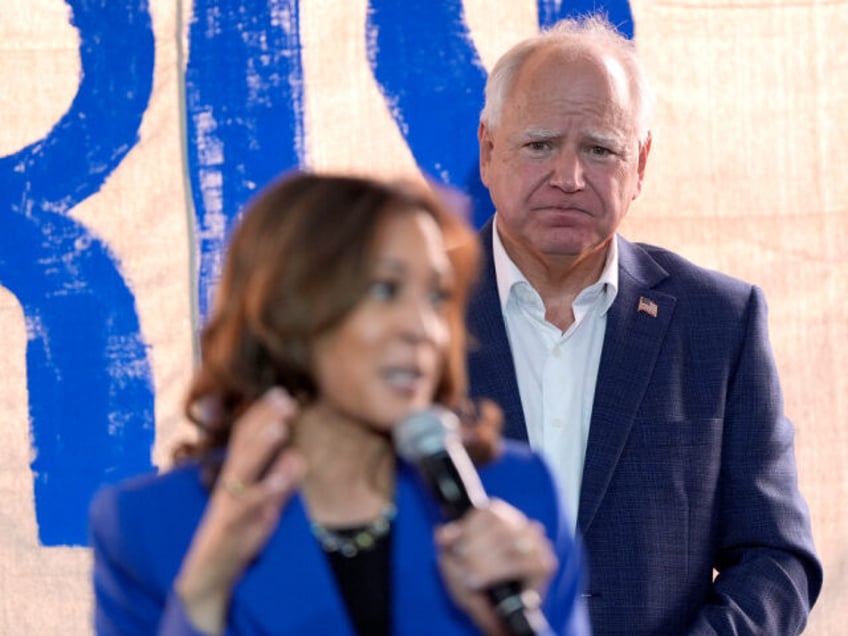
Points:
(340, 311)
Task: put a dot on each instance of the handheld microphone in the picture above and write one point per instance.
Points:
(430, 440)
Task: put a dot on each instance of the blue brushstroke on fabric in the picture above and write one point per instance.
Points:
(244, 102)
(618, 13)
(89, 379)
(432, 79)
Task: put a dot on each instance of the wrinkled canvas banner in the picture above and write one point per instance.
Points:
(135, 131)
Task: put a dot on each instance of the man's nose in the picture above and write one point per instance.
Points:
(568, 173)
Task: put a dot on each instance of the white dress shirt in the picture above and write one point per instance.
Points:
(556, 371)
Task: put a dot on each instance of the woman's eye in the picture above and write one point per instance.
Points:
(384, 289)
(440, 296)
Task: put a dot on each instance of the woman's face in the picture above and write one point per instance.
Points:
(387, 356)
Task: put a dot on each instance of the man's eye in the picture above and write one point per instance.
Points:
(539, 146)
(384, 289)
(599, 151)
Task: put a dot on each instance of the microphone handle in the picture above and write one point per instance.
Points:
(452, 477)
(453, 480)
(518, 609)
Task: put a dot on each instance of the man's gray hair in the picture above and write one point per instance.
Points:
(592, 33)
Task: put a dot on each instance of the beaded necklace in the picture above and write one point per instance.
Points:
(350, 542)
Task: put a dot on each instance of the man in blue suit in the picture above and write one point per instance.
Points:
(647, 381)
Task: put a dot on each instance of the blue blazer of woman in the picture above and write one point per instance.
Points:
(141, 530)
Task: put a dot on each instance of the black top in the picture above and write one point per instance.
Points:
(364, 583)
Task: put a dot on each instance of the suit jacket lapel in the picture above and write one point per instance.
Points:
(631, 346)
(290, 588)
(490, 363)
(420, 603)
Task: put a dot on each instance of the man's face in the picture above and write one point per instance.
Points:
(564, 162)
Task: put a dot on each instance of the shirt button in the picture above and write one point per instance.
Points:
(556, 352)
(556, 422)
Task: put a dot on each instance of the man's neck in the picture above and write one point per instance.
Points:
(559, 279)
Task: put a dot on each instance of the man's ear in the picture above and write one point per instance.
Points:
(485, 140)
(644, 151)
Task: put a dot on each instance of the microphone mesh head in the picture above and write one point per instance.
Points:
(425, 432)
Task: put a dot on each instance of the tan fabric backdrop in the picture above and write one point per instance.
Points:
(745, 176)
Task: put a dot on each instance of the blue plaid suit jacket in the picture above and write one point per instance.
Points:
(690, 463)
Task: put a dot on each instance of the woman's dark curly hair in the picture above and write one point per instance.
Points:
(297, 264)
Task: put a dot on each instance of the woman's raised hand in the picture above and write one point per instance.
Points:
(256, 480)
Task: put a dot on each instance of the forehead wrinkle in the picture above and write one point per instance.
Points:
(539, 132)
(605, 139)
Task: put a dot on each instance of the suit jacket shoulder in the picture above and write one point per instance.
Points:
(140, 532)
(645, 262)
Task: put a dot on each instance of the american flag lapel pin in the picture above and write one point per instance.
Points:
(648, 306)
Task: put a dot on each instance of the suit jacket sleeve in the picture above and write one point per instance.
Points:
(127, 601)
(768, 573)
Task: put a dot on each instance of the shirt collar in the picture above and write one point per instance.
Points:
(508, 275)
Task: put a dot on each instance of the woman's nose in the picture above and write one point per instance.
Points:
(421, 320)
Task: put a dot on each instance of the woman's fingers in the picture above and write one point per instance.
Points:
(267, 495)
(280, 482)
(257, 438)
(497, 543)
(491, 545)
(260, 472)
